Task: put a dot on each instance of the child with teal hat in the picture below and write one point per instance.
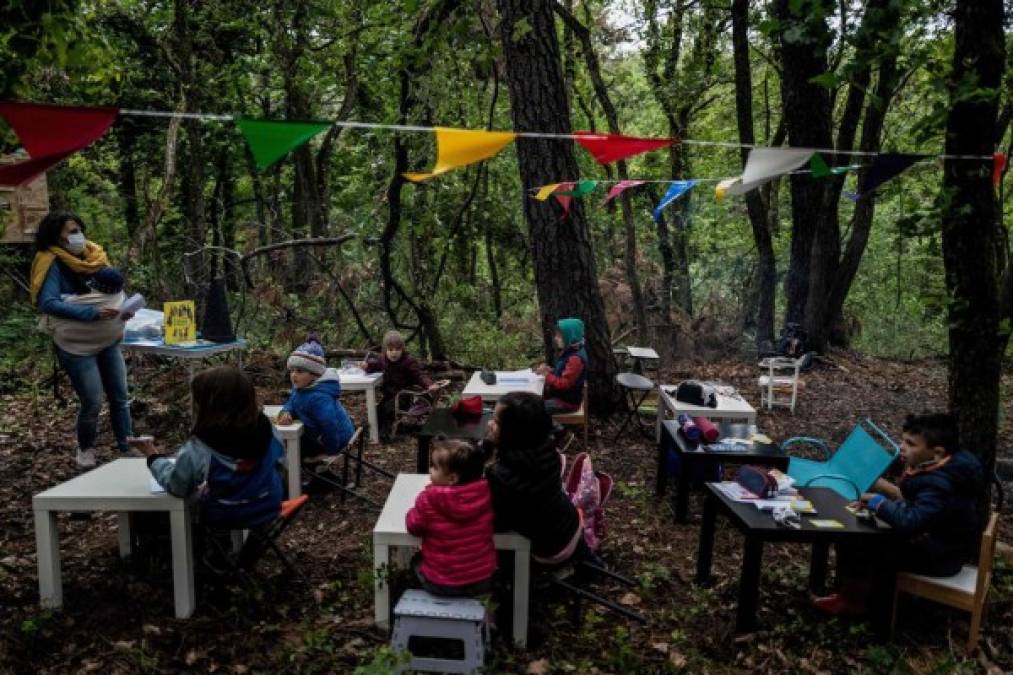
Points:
(564, 382)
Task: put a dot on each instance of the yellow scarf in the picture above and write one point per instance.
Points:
(94, 259)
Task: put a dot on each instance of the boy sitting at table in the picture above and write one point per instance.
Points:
(564, 382)
(401, 371)
(314, 401)
(932, 506)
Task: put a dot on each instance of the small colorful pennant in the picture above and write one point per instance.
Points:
(564, 199)
(50, 134)
(606, 148)
(546, 190)
(884, 167)
(460, 147)
(765, 164)
(582, 188)
(619, 188)
(998, 166)
(270, 140)
(722, 187)
(676, 189)
(819, 167)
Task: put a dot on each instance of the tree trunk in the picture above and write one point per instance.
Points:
(971, 235)
(612, 118)
(566, 277)
(803, 40)
(766, 273)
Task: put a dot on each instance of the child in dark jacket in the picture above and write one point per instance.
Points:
(231, 460)
(564, 382)
(401, 371)
(314, 401)
(933, 506)
(527, 488)
(453, 516)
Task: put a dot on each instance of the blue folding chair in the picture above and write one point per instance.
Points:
(864, 455)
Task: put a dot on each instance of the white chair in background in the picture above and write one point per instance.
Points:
(779, 383)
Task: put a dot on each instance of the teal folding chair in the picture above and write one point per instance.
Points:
(863, 457)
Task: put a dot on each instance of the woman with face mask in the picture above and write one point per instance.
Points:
(64, 262)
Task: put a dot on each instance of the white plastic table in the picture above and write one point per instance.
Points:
(390, 532)
(122, 486)
(357, 380)
(503, 386)
(730, 409)
(289, 435)
(198, 352)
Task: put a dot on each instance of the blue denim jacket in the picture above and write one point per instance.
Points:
(57, 284)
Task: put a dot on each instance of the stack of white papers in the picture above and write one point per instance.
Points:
(526, 376)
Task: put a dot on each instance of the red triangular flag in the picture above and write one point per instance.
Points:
(564, 200)
(998, 164)
(612, 147)
(618, 188)
(51, 133)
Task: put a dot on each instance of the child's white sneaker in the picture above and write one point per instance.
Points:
(86, 458)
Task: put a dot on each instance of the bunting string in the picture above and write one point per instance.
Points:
(270, 141)
(350, 124)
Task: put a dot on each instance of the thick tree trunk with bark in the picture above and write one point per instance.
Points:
(566, 277)
(766, 273)
(803, 38)
(971, 235)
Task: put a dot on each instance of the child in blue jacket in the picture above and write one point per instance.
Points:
(232, 460)
(933, 508)
(314, 401)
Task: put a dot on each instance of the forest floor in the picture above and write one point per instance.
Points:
(118, 616)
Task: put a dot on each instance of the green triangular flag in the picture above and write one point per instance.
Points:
(819, 166)
(270, 140)
(583, 187)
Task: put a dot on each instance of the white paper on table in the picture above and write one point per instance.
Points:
(157, 489)
(132, 304)
(735, 492)
(526, 376)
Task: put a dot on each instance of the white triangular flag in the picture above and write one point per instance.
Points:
(766, 164)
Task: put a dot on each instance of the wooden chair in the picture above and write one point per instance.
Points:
(966, 590)
(779, 386)
(421, 398)
(576, 418)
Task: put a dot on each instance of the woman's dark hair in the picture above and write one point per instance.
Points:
(938, 429)
(224, 398)
(51, 226)
(523, 423)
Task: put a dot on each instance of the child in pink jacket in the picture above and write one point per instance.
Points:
(453, 516)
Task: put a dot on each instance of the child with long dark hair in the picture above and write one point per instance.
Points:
(231, 458)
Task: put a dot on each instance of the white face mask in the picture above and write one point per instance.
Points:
(75, 242)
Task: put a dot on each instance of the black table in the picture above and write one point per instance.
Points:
(758, 527)
(691, 455)
(442, 421)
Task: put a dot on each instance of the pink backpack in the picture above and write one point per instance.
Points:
(588, 490)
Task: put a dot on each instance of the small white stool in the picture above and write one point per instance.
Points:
(420, 614)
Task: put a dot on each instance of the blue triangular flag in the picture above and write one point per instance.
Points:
(676, 189)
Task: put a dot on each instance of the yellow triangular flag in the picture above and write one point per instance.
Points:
(545, 191)
(460, 147)
(722, 187)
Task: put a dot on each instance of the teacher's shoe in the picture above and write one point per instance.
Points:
(86, 458)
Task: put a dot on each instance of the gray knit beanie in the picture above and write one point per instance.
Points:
(309, 356)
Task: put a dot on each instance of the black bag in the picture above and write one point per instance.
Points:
(696, 393)
(488, 376)
(792, 342)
